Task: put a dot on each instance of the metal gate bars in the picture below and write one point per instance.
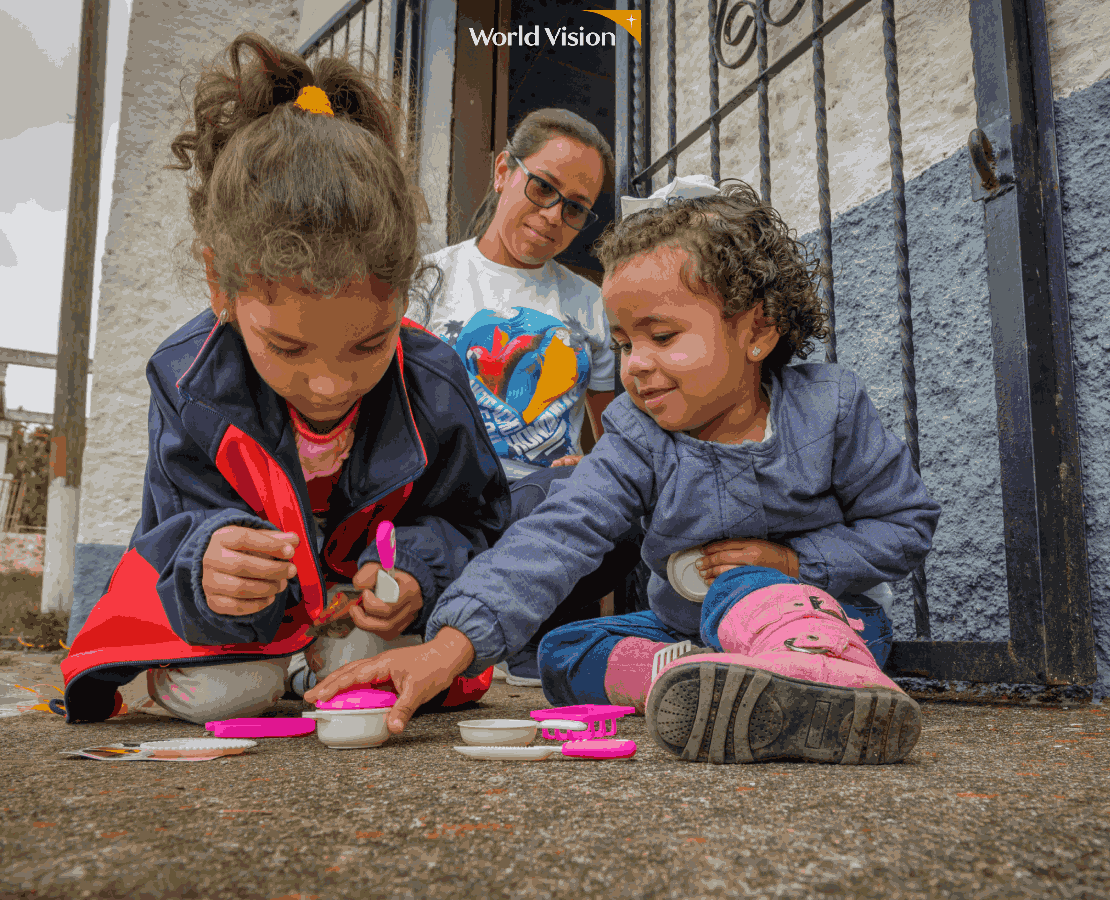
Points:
(1015, 176)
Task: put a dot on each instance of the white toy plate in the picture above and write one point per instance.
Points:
(533, 753)
(683, 575)
(187, 748)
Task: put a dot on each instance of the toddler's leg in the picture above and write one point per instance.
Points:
(606, 660)
(794, 680)
(223, 691)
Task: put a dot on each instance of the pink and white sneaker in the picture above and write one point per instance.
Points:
(795, 682)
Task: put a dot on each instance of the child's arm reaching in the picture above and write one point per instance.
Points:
(418, 674)
(504, 595)
(889, 517)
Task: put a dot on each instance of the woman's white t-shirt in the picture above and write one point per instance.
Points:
(532, 340)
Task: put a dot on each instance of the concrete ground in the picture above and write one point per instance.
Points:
(994, 802)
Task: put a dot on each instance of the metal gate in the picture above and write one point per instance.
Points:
(1013, 152)
(401, 41)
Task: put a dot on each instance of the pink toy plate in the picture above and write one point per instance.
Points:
(261, 728)
(600, 749)
(601, 721)
(360, 698)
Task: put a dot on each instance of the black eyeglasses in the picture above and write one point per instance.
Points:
(545, 195)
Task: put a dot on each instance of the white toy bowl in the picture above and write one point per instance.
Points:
(498, 732)
(346, 729)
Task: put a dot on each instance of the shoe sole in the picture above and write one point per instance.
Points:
(728, 713)
(518, 681)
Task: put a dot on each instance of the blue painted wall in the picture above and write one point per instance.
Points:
(958, 431)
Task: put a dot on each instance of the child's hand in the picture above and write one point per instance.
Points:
(244, 569)
(386, 620)
(720, 556)
(418, 674)
(567, 461)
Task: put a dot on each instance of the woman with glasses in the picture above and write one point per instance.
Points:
(533, 334)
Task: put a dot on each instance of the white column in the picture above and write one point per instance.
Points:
(5, 479)
(63, 502)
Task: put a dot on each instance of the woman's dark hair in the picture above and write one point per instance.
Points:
(530, 136)
(741, 252)
(278, 191)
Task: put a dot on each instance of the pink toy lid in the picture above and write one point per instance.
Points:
(600, 749)
(261, 727)
(360, 698)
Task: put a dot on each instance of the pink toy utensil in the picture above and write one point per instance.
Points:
(600, 749)
(261, 727)
(601, 721)
(386, 539)
(386, 587)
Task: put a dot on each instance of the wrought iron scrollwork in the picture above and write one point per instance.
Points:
(733, 33)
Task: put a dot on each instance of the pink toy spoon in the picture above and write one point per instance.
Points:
(386, 587)
(600, 749)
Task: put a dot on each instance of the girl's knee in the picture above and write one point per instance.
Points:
(210, 693)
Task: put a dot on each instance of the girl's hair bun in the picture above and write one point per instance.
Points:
(280, 191)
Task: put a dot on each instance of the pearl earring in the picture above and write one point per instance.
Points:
(755, 352)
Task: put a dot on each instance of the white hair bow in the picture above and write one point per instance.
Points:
(684, 187)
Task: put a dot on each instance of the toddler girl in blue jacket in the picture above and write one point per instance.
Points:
(294, 416)
(778, 483)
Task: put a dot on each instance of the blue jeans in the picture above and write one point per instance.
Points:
(573, 658)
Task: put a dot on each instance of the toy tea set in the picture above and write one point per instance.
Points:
(357, 718)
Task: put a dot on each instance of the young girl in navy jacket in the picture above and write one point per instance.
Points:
(774, 503)
(295, 415)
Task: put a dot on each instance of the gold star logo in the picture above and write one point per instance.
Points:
(629, 20)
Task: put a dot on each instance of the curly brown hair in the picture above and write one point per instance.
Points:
(742, 254)
(279, 192)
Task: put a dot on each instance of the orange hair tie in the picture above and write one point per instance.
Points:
(312, 99)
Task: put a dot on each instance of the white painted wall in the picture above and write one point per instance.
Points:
(937, 94)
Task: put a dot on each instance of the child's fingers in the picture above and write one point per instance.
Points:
(231, 606)
(366, 577)
(280, 544)
(216, 582)
(361, 671)
(404, 709)
(244, 565)
(388, 626)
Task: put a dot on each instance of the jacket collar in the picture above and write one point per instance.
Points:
(388, 450)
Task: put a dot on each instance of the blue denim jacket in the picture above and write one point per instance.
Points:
(829, 481)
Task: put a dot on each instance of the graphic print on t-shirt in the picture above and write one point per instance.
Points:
(527, 371)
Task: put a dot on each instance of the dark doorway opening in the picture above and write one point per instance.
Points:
(496, 88)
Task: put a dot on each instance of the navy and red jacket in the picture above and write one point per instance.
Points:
(223, 452)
